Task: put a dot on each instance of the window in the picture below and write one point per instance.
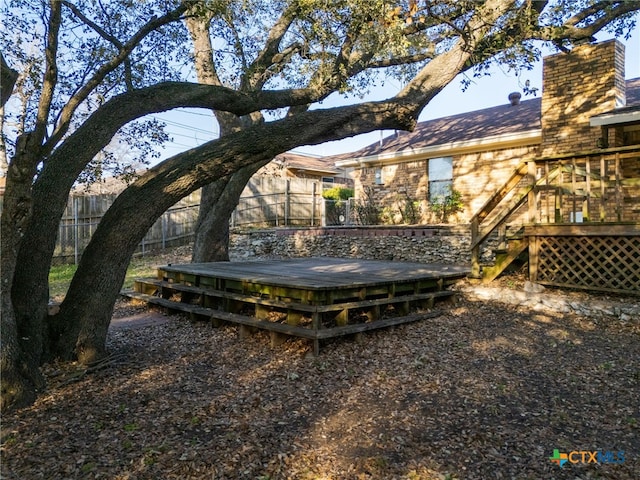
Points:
(631, 135)
(440, 178)
(576, 217)
(378, 176)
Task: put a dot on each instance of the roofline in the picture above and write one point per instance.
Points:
(614, 118)
(505, 140)
(316, 170)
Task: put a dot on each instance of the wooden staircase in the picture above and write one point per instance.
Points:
(571, 215)
(492, 216)
(518, 190)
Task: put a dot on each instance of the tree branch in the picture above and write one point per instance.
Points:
(404, 60)
(106, 35)
(69, 109)
(270, 55)
(50, 74)
(571, 32)
(596, 8)
(442, 69)
(8, 78)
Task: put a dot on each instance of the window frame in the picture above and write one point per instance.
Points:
(433, 196)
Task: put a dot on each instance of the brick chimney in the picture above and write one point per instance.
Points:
(577, 85)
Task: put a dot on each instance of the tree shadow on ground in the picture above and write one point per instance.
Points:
(483, 391)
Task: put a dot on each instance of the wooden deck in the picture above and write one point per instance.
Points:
(314, 298)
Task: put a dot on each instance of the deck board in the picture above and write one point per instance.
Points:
(333, 294)
(321, 273)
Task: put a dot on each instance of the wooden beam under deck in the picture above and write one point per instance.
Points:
(590, 229)
(312, 297)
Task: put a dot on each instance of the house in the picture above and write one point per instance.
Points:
(476, 152)
(563, 166)
(297, 165)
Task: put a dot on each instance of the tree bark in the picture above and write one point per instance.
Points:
(8, 78)
(209, 244)
(21, 378)
(22, 337)
(212, 231)
(85, 313)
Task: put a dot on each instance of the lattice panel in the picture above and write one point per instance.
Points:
(598, 263)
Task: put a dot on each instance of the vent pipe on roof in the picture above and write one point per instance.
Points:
(514, 98)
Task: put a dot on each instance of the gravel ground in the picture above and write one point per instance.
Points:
(485, 390)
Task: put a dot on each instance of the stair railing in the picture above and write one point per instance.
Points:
(585, 187)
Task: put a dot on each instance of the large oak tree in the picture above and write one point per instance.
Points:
(88, 71)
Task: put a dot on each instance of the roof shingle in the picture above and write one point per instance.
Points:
(488, 122)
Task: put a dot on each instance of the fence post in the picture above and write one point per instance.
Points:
(314, 194)
(76, 221)
(287, 202)
(164, 229)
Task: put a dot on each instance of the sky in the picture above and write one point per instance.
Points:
(190, 128)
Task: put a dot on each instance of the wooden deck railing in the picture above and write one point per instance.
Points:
(592, 187)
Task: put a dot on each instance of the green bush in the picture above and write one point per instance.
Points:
(445, 206)
(338, 193)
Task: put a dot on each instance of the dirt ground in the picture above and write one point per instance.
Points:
(482, 391)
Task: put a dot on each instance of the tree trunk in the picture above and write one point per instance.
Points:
(212, 232)
(21, 376)
(22, 338)
(85, 313)
(211, 242)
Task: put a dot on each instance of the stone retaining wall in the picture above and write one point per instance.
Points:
(446, 244)
(425, 244)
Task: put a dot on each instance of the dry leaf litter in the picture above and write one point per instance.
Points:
(484, 391)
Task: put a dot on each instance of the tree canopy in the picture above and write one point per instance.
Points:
(81, 72)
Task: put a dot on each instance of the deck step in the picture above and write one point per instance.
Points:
(504, 259)
(293, 330)
(153, 285)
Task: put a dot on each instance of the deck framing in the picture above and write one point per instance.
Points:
(313, 298)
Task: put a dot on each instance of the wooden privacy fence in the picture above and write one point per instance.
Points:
(84, 212)
(274, 202)
(266, 201)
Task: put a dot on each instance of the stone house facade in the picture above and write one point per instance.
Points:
(586, 104)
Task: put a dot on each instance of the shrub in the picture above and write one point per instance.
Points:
(446, 205)
(338, 193)
(335, 207)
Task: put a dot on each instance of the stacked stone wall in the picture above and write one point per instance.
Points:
(437, 244)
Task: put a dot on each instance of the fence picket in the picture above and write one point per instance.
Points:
(265, 202)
